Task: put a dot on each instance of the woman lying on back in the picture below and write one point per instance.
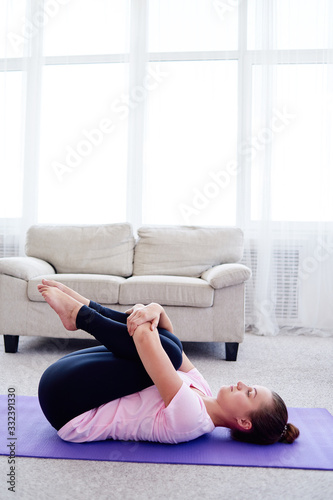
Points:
(140, 385)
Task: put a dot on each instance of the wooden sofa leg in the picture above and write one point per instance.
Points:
(11, 343)
(231, 350)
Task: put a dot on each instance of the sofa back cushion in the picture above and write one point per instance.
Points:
(90, 249)
(185, 250)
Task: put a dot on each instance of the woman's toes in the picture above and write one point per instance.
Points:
(50, 282)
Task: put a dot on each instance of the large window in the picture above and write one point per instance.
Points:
(166, 111)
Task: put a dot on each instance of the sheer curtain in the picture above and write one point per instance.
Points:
(240, 133)
(288, 160)
(195, 112)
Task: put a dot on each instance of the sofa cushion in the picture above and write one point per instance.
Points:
(24, 268)
(185, 250)
(167, 291)
(96, 249)
(96, 287)
(226, 275)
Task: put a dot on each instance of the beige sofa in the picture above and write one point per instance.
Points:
(194, 272)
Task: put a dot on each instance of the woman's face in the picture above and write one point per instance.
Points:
(239, 401)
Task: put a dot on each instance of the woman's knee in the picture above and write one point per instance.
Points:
(171, 336)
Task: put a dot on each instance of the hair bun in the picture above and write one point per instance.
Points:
(289, 434)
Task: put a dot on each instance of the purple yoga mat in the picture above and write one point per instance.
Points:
(34, 437)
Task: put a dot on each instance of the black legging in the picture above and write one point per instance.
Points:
(91, 377)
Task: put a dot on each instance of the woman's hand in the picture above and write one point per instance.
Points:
(139, 315)
(134, 308)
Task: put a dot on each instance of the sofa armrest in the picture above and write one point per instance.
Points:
(226, 275)
(25, 268)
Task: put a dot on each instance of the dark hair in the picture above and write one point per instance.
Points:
(269, 425)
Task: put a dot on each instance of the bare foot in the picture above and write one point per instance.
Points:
(66, 290)
(65, 306)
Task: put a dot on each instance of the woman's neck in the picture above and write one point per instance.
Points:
(213, 409)
(215, 412)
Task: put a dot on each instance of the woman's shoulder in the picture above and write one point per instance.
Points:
(186, 417)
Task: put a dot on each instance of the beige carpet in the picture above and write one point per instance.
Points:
(299, 368)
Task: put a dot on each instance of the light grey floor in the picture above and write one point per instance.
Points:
(299, 368)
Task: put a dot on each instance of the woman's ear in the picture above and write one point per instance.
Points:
(244, 424)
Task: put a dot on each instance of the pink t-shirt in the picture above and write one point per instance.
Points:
(143, 416)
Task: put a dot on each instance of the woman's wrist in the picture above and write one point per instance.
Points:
(164, 320)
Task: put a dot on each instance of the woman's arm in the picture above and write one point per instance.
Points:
(156, 362)
(165, 321)
(156, 314)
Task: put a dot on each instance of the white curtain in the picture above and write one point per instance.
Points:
(290, 164)
(214, 112)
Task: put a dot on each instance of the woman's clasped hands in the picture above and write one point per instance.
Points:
(140, 314)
